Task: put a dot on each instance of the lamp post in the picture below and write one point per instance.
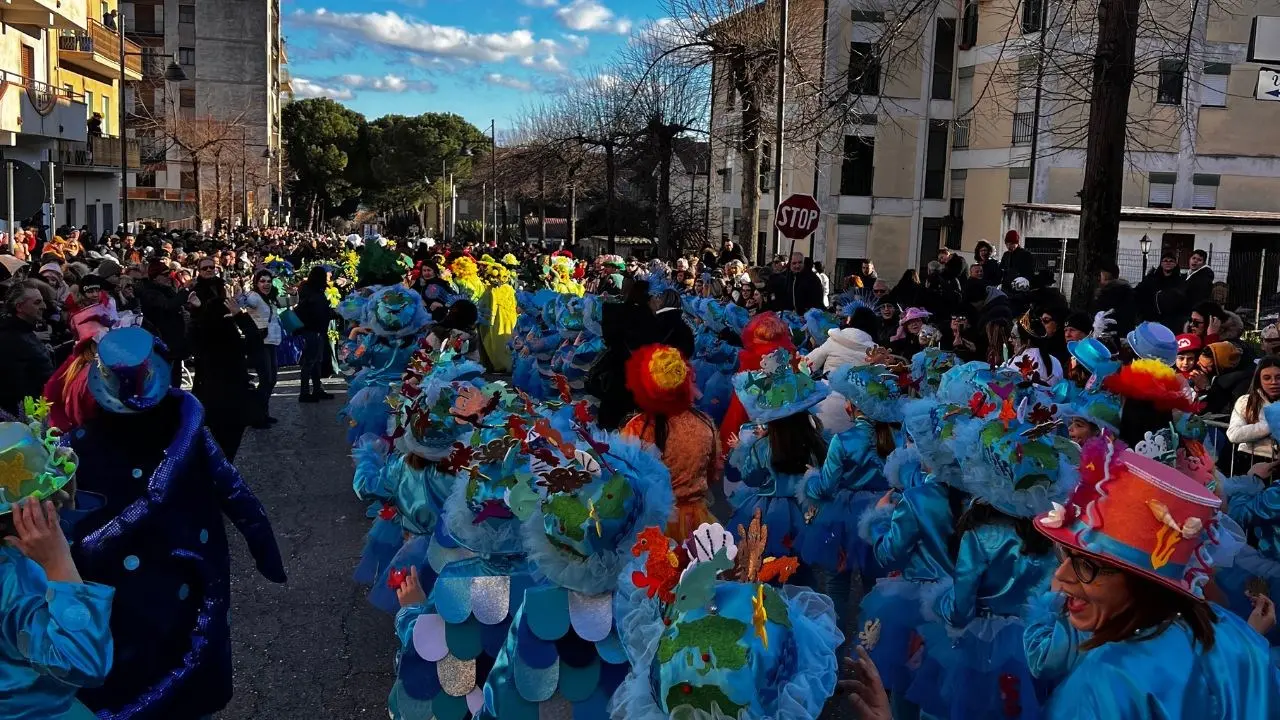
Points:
(493, 177)
(173, 73)
(1145, 244)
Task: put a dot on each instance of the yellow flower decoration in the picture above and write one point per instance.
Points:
(668, 368)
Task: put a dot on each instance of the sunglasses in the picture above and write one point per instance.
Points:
(1045, 319)
(1086, 568)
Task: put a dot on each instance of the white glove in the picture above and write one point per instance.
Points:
(1102, 323)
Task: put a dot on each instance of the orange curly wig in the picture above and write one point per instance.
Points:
(660, 380)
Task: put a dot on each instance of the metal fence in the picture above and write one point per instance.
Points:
(1247, 281)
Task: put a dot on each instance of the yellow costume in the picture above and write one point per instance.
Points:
(498, 314)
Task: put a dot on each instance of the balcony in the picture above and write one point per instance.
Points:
(162, 194)
(98, 154)
(96, 51)
(61, 14)
(146, 27)
(1023, 128)
(960, 135)
(39, 109)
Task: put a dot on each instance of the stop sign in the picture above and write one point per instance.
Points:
(798, 216)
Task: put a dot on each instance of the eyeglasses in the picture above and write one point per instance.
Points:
(1046, 319)
(1086, 568)
(1195, 323)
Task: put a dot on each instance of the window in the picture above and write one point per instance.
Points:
(935, 160)
(851, 236)
(930, 239)
(106, 115)
(1032, 16)
(1169, 91)
(145, 179)
(187, 14)
(1023, 128)
(1019, 184)
(766, 166)
(858, 169)
(71, 212)
(958, 180)
(88, 102)
(1205, 196)
(1180, 244)
(944, 58)
(955, 222)
(864, 69)
(726, 177)
(1215, 80)
(964, 92)
(187, 97)
(186, 56)
(188, 180)
(1160, 190)
(969, 26)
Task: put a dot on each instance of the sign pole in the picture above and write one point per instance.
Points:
(13, 232)
(779, 136)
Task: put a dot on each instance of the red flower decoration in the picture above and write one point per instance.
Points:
(396, 578)
(388, 512)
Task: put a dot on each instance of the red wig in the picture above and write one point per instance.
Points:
(660, 380)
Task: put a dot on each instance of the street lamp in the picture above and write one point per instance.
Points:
(1145, 244)
(173, 73)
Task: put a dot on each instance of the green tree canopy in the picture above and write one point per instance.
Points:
(321, 137)
(405, 152)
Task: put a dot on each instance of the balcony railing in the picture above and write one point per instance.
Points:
(1023, 128)
(133, 27)
(960, 135)
(98, 152)
(101, 41)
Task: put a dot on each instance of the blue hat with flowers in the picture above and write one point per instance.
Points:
(395, 311)
(960, 384)
(931, 427)
(817, 322)
(1153, 341)
(927, 368)
(488, 464)
(130, 376)
(1095, 405)
(32, 464)
(351, 308)
(780, 388)
(1017, 467)
(872, 389)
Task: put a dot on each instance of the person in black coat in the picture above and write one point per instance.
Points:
(729, 252)
(1199, 281)
(1116, 296)
(1162, 293)
(26, 363)
(162, 307)
(222, 333)
(984, 257)
(796, 289)
(671, 328)
(314, 313)
(624, 327)
(1017, 261)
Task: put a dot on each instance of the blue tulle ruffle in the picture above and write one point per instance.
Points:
(980, 671)
(887, 625)
(380, 545)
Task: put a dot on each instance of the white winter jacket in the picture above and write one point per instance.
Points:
(844, 346)
(1253, 438)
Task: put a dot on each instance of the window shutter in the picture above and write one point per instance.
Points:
(958, 178)
(1205, 197)
(851, 241)
(1160, 194)
(1214, 93)
(1018, 189)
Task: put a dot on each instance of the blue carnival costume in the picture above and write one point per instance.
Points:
(395, 316)
(55, 637)
(159, 539)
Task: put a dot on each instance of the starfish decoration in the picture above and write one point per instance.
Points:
(13, 473)
(760, 616)
(593, 515)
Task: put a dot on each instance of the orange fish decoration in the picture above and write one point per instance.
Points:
(662, 567)
(543, 427)
(562, 385)
(1007, 413)
(778, 569)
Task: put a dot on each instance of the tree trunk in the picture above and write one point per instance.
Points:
(542, 206)
(1100, 197)
(611, 182)
(195, 167)
(666, 148)
(503, 209)
(749, 151)
(573, 214)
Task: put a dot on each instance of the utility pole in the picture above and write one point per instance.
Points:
(780, 112)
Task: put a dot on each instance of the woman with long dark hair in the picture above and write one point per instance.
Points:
(1248, 427)
(224, 337)
(263, 303)
(314, 312)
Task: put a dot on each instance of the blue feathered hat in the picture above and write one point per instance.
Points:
(569, 313)
(817, 323)
(778, 389)
(351, 308)
(960, 384)
(395, 311)
(478, 514)
(593, 314)
(735, 318)
(927, 368)
(1018, 468)
(588, 506)
(872, 389)
(931, 426)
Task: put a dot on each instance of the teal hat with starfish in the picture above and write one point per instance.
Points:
(782, 387)
(32, 465)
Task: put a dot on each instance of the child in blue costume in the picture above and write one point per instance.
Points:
(716, 637)
(714, 360)
(451, 638)
(543, 346)
(563, 655)
(851, 481)
(395, 316)
(910, 535)
(55, 634)
(571, 324)
(974, 664)
(526, 322)
(775, 452)
(351, 310)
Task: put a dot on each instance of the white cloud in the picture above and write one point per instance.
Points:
(577, 43)
(540, 3)
(391, 30)
(507, 81)
(304, 88)
(387, 83)
(591, 16)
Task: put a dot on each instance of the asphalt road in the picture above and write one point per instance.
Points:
(313, 649)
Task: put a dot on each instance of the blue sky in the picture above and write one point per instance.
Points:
(479, 58)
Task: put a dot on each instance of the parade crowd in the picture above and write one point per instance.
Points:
(644, 489)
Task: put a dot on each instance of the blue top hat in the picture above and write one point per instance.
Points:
(872, 389)
(777, 390)
(1095, 357)
(396, 311)
(1153, 341)
(130, 376)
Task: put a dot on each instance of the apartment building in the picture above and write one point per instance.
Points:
(965, 108)
(233, 57)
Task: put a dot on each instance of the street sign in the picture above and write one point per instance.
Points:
(798, 216)
(1268, 85)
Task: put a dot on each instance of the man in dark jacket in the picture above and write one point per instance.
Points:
(730, 252)
(1199, 283)
(1017, 261)
(1115, 295)
(162, 308)
(1162, 293)
(797, 289)
(25, 361)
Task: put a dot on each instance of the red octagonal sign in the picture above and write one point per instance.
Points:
(798, 216)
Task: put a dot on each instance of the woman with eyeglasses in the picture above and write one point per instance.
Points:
(984, 257)
(262, 301)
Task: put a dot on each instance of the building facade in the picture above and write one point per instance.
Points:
(210, 144)
(967, 107)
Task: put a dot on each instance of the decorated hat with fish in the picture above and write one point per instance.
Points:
(1015, 461)
(488, 462)
(780, 388)
(1097, 406)
(1140, 514)
(584, 497)
(351, 308)
(32, 464)
(712, 633)
(395, 311)
(425, 424)
(927, 368)
(959, 384)
(817, 322)
(931, 428)
(569, 313)
(872, 389)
